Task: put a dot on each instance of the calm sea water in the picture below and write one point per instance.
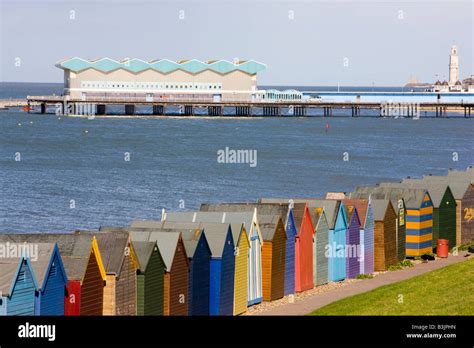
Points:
(173, 161)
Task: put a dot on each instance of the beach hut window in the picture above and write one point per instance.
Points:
(21, 277)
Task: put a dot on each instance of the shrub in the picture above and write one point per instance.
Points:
(365, 276)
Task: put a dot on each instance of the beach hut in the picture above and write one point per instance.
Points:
(353, 249)
(17, 286)
(84, 268)
(336, 248)
(463, 191)
(222, 264)
(228, 295)
(176, 278)
(150, 278)
(50, 276)
(199, 257)
(364, 209)
(303, 247)
(385, 248)
(269, 207)
(254, 241)
(320, 237)
(121, 267)
(418, 217)
(444, 208)
(398, 203)
(320, 242)
(466, 209)
(273, 256)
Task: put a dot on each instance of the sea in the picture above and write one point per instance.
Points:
(59, 174)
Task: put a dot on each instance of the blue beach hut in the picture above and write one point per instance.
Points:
(51, 279)
(17, 287)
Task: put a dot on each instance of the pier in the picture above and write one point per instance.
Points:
(240, 108)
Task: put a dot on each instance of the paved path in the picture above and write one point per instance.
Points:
(309, 304)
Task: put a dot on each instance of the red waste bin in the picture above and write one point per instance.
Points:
(442, 248)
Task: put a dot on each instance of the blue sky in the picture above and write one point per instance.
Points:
(302, 42)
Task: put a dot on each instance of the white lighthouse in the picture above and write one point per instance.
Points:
(453, 66)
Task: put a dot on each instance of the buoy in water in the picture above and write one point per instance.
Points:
(19, 124)
(86, 131)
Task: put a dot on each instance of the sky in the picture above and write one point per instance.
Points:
(302, 42)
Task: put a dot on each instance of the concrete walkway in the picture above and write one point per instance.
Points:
(309, 304)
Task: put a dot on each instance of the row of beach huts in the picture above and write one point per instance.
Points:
(226, 257)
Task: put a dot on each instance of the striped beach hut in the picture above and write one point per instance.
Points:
(273, 256)
(254, 263)
(84, 268)
(418, 218)
(121, 266)
(150, 278)
(444, 209)
(463, 191)
(199, 256)
(366, 216)
(17, 286)
(270, 207)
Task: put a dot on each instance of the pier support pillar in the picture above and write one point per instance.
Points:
(101, 109)
(242, 111)
(215, 110)
(43, 108)
(188, 110)
(158, 109)
(129, 109)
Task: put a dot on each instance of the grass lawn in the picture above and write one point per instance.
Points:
(445, 291)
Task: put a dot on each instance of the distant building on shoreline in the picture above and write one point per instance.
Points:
(161, 79)
(454, 84)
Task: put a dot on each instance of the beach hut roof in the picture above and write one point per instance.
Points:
(362, 205)
(458, 185)
(74, 249)
(329, 206)
(268, 225)
(40, 264)
(436, 191)
(413, 198)
(246, 218)
(112, 246)
(468, 174)
(215, 233)
(7, 273)
(379, 208)
(167, 244)
(262, 208)
(144, 251)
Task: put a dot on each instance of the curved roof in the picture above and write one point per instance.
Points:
(165, 66)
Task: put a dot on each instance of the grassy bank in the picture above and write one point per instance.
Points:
(446, 291)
